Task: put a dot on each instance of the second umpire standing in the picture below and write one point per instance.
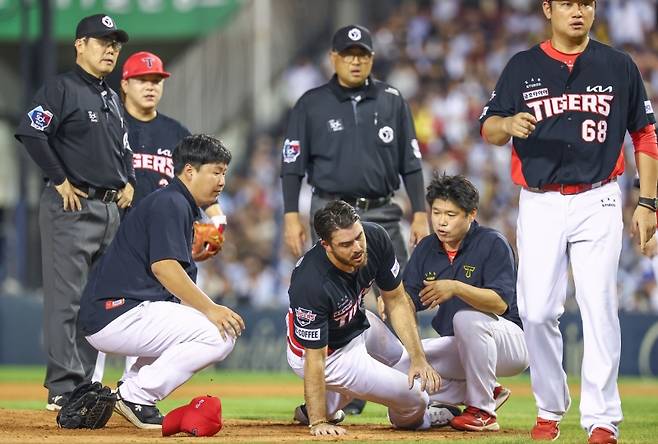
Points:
(75, 132)
(354, 137)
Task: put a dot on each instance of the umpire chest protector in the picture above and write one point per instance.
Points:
(582, 114)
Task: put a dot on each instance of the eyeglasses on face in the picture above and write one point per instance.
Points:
(349, 57)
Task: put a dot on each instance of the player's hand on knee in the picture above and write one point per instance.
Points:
(326, 429)
(228, 322)
(430, 380)
(520, 125)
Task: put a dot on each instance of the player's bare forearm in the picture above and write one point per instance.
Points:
(172, 276)
(498, 130)
(314, 384)
(403, 319)
(493, 132)
(647, 168)
(482, 299)
(213, 210)
(419, 228)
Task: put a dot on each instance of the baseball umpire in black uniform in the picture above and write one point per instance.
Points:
(75, 132)
(354, 137)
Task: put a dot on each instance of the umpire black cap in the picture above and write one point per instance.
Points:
(352, 35)
(100, 25)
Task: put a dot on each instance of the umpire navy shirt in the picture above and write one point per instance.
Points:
(326, 304)
(484, 260)
(153, 143)
(351, 142)
(160, 228)
(82, 120)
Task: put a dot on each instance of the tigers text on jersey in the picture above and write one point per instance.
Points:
(326, 304)
(582, 115)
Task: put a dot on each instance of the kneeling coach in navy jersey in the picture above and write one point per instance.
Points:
(131, 304)
(468, 271)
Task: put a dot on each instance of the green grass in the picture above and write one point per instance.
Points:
(640, 404)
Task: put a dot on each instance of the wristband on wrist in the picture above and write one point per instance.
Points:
(647, 202)
(318, 422)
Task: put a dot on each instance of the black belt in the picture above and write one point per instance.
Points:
(361, 203)
(105, 195)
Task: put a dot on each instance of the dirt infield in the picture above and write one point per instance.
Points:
(31, 426)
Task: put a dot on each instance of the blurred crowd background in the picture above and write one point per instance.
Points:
(444, 56)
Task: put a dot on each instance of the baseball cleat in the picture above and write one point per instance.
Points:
(55, 403)
(501, 395)
(301, 416)
(601, 435)
(142, 416)
(355, 407)
(475, 420)
(442, 413)
(545, 430)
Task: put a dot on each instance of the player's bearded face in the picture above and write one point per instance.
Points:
(207, 182)
(348, 247)
(450, 223)
(570, 19)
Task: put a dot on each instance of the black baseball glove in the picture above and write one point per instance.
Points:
(89, 407)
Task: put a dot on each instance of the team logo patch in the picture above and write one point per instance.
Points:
(430, 276)
(335, 125)
(392, 90)
(304, 316)
(354, 34)
(40, 118)
(386, 134)
(416, 148)
(107, 21)
(647, 107)
(599, 89)
(148, 61)
(93, 117)
(469, 269)
(395, 269)
(534, 94)
(109, 305)
(291, 150)
(307, 334)
(533, 83)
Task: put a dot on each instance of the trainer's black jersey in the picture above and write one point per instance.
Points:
(351, 142)
(153, 144)
(160, 228)
(582, 115)
(326, 304)
(484, 260)
(82, 120)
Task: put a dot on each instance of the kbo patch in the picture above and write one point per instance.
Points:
(304, 316)
(291, 150)
(40, 118)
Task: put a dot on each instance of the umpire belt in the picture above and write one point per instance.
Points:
(361, 203)
(105, 195)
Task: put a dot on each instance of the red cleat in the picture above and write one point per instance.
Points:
(475, 420)
(501, 395)
(545, 430)
(602, 435)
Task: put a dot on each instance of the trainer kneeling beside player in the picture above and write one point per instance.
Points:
(469, 272)
(130, 305)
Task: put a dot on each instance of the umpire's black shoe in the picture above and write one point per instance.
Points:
(56, 402)
(141, 415)
(355, 407)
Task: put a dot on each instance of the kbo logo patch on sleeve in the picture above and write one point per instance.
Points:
(40, 118)
(291, 150)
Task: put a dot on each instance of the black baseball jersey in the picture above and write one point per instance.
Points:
(153, 144)
(582, 115)
(351, 142)
(326, 304)
(161, 227)
(81, 118)
(484, 260)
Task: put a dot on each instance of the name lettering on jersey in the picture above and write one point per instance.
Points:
(430, 276)
(348, 308)
(304, 316)
(386, 134)
(40, 118)
(308, 334)
(163, 152)
(161, 164)
(291, 150)
(392, 90)
(587, 103)
(395, 269)
(469, 269)
(93, 117)
(109, 305)
(599, 89)
(535, 94)
(335, 125)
